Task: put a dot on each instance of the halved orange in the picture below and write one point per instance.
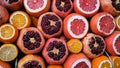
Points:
(8, 33)
(74, 45)
(20, 19)
(8, 52)
(117, 21)
(101, 62)
(116, 61)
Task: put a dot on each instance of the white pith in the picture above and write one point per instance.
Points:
(11, 17)
(100, 65)
(118, 22)
(113, 45)
(1, 67)
(69, 26)
(98, 26)
(36, 10)
(88, 12)
(12, 34)
(81, 60)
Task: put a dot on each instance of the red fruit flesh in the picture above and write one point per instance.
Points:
(50, 24)
(55, 51)
(34, 4)
(77, 26)
(62, 7)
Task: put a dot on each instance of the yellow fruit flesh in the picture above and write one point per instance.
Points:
(118, 22)
(117, 63)
(6, 32)
(19, 20)
(106, 65)
(75, 47)
(8, 52)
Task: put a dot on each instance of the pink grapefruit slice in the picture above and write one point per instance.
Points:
(113, 43)
(103, 24)
(86, 7)
(75, 26)
(36, 7)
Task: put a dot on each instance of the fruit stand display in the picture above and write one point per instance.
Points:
(59, 34)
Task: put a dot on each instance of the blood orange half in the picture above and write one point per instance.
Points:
(103, 24)
(75, 26)
(113, 43)
(36, 7)
(86, 7)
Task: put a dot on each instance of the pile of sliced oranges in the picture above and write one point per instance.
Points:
(59, 34)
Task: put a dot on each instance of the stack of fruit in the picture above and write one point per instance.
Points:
(59, 34)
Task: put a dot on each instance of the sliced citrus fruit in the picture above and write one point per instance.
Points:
(103, 24)
(101, 62)
(113, 43)
(74, 45)
(8, 33)
(36, 7)
(8, 52)
(116, 61)
(77, 61)
(86, 7)
(20, 19)
(117, 21)
(75, 26)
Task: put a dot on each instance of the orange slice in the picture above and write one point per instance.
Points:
(116, 61)
(117, 21)
(74, 45)
(101, 62)
(4, 64)
(8, 52)
(8, 33)
(20, 19)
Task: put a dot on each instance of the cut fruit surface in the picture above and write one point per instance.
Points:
(101, 62)
(75, 26)
(30, 40)
(103, 24)
(113, 42)
(36, 7)
(8, 52)
(117, 21)
(77, 61)
(74, 45)
(86, 7)
(4, 64)
(8, 33)
(20, 19)
(116, 61)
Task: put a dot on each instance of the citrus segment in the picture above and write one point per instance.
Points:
(20, 19)
(74, 45)
(8, 52)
